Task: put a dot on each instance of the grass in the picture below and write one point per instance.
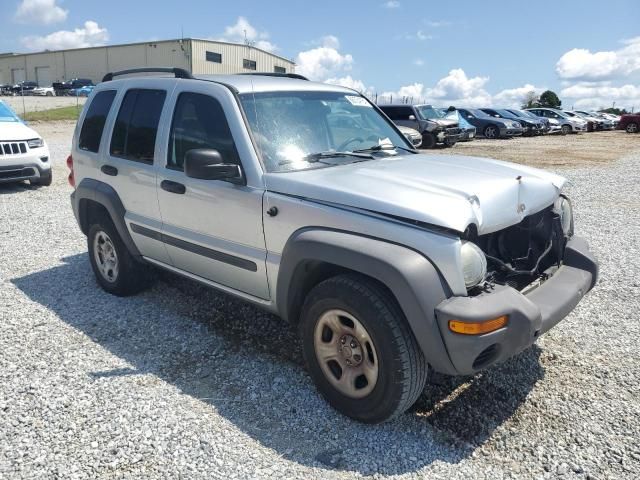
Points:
(63, 113)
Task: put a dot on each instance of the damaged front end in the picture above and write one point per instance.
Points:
(524, 255)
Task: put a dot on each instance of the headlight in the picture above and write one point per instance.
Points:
(516, 125)
(35, 143)
(474, 264)
(563, 208)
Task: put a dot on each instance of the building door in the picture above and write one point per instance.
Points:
(43, 76)
(17, 75)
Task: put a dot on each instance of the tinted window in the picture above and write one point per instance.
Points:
(213, 57)
(397, 113)
(199, 122)
(93, 125)
(134, 134)
(279, 70)
(249, 64)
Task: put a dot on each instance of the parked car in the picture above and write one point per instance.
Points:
(390, 263)
(530, 126)
(568, 124)
(44, 91)
(81, 92)
(467, 131)
(614, 118)
(630, 122)
(435, 129)
(489, 126)
(24, 155)
(414, 136)
(24, 88)
(547, 126)
(62, 88)
(605, 122)
(6, 90)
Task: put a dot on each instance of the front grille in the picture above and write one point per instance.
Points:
(12, 148)
(453, 131)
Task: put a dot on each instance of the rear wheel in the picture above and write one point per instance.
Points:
(116, 270)
(359, 349)
(632, 127)
(491, 131)
(566, 129)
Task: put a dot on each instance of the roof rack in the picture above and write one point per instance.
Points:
(275, 74)
(178, 72)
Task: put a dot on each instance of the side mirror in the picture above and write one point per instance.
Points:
(412, 118)
(207, 164)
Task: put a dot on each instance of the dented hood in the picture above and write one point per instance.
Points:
(451, 191)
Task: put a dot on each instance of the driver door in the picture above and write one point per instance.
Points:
(211, 228)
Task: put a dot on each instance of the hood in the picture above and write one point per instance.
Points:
(448, 191)
(444, 122)
(16, 131)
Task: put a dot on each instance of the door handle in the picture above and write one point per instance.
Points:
(109, 170)
(173, 187)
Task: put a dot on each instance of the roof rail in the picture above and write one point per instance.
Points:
(275, 74)
(178, 72)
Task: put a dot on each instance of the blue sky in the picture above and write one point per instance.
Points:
(442, 52)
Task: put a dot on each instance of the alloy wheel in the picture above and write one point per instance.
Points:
(346, 353)
(632, 128)
(106, 257)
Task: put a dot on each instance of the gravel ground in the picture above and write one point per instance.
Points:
(36, 104)
(182, 382)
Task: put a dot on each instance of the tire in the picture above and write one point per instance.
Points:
(44, 180)
(566, 129)
(428, 140)
(128, 276)
(632, 127)
(385, 347)
(491, 131)
(49, 94)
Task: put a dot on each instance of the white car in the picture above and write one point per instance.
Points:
(24, 155)
(44, 92)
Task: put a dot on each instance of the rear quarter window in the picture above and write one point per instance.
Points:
(94, 120)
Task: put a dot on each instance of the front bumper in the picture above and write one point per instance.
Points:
(510, 132)
(529, 315)
(17, 165)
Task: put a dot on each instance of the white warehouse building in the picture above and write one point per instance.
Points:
(194, 55)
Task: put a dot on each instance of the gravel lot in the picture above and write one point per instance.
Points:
(36, 104)
(182, 382)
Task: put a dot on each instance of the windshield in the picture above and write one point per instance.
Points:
(478, 113)
(506, 114)
(290, 127)
(6, 114)
(429, 113)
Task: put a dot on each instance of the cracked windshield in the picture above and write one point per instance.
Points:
(302, 130)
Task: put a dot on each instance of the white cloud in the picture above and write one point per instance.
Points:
(590, 95)
(582, 64)
(418, 62)
(515, 97)
(90, 35)
(42, 12)
(391, 4)
(350, 82)
(243, 30)
(325, 61)
(437, 23)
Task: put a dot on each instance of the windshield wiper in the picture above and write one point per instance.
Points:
(319, 156)
(386, 146)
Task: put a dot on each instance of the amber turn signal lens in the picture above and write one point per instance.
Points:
(478, 328)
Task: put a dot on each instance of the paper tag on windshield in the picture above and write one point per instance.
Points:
(357, 101)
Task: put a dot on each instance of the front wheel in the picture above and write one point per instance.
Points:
(566, 129)
(632, 128)
(359, 349)
(491, 131)
(428, 140)
(44, 181)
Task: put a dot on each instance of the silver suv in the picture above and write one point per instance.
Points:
(387, 261)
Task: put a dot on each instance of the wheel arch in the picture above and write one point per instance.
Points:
(312, 255)
(93, 197)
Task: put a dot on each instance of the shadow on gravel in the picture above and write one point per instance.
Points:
(16, 187)
(246, 365)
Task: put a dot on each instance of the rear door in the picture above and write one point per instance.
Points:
(211, 228)
(128, 161)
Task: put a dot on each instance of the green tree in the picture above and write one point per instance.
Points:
(550, 99)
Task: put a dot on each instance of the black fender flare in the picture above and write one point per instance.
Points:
(105, 195)
(408, 274)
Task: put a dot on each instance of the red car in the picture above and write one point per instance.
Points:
(630, 122)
